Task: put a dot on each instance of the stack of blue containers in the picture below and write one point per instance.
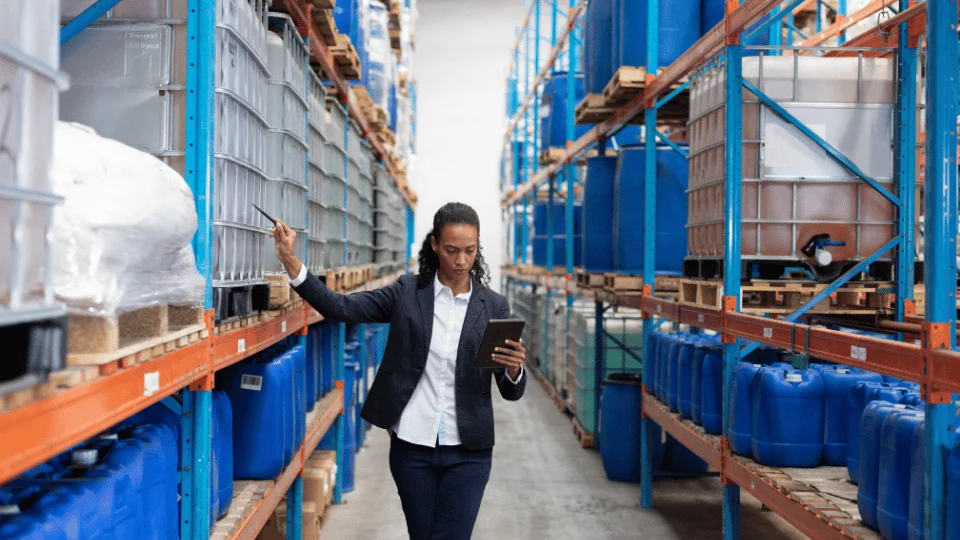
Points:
(559, 217)
(268, 395)
(120, 485)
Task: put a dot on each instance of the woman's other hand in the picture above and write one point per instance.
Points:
(510, 356)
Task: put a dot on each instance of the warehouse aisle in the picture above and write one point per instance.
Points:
(544, 485)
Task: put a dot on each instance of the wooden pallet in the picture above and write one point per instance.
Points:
(326, 26)
(593, 110)
(783, 297)
(584, 436)
(548, 388)
(281, 292)
(238, 323)
(588, 280)
(247, 494)
(133, 337)
(27, 395)
(627, 285)
(324, 4)
(345, 55)
(629, 82)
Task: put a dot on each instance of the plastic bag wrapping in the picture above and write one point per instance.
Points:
(122, 235)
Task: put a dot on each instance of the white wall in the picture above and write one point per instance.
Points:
(463, 51)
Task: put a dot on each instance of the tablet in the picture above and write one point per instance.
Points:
(498, 331)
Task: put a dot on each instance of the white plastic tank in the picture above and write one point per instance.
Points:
(792, 189)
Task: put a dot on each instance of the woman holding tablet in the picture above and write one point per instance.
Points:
(428, 392)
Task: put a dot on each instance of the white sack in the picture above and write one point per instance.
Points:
(122, 235)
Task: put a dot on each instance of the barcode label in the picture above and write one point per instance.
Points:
(283, 326)
(699, 317)
(241, 345)
(659, 308)
(858, 353)
(768, 333)
(251, 382)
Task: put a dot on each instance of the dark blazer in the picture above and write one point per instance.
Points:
(409, 310)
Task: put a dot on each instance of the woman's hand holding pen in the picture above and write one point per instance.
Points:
(286, 240)
(511, 356)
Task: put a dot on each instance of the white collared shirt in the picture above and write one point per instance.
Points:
(431, 414)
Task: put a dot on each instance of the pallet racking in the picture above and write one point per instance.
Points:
(932, 363)
(39, 430)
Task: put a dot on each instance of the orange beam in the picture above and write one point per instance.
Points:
(843, 23)
(231, 347)
(887, 35)
(254, 522)
(547, 67)
(711, 42)
(299, 11)
(36, 432)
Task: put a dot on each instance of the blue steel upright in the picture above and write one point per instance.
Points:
(905, 166)
(197, 411)
(731, 273)
(649, 247)
(569, 171)
(940, 248)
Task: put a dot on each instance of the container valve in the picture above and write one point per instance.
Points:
(815, 249)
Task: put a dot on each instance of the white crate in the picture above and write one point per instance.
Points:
(333, 160)
(246, 17)
(334, 221)
(316, 255)
(333, 255)
(272, 265)
(286, 109)
(286, 156)
(237, 253)
(336, 123)
(332, 192)
(286, 201)
(317, 103)
(317, 146)
(315, 177)
(240, 131)
(237, 187)
(287, 54)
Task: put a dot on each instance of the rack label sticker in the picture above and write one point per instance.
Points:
(242, 345)
(283, 326)
(659, 308)
(251, 382)
(858, 353)
(700, 317)
(151, 383)
(768, 333)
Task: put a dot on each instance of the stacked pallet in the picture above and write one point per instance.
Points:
(626, 85)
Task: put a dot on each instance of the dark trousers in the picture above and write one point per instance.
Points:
(440, 488)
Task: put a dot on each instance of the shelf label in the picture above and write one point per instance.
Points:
(858, 353)
(241, 345)
(659, 308)
(768, 333)
(283, 326)
(700, 317)
(151, 383)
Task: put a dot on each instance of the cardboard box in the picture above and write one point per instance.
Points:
(276, 527)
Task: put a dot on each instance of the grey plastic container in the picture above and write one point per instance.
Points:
(333, 161)
(286, 109)
(287, 156)
(333, 255)
(316, 253)
(272, 265)
(334, 221)
(29, 88)
(332, 192)
(317, 103)
(237, 254)
(286, 201)
(287, 54)
(336, 123)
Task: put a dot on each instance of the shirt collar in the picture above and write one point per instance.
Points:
(439, 287)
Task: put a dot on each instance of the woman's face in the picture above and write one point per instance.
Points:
(457, 248)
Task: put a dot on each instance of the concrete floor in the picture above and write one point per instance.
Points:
(543, 485)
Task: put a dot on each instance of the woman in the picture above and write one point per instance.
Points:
(427, 392)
